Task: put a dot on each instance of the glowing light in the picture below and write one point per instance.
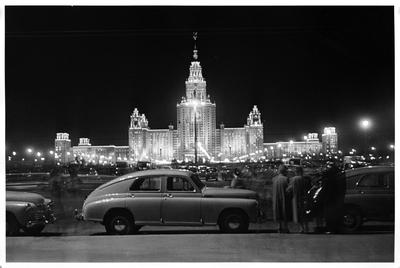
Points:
(373, 148)
(39, 154)
(51, 152)
(391, 146)
(271, 147)
(68, 153)
(29, 150)
(305, 137)
(291, 141)
(365, 123)
(42, 158)
(14, 153)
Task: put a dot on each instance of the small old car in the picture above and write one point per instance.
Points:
(27, 211)
(369, 196)
(168, 197)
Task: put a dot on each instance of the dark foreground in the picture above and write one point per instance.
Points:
(172, 244)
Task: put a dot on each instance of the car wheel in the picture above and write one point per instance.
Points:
(233, 222)
(34, 230)
(119, 224)
(12, 226)
(352, 220)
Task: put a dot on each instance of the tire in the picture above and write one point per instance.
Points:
(233, 222)
(34, 230)
(120, 224)
(352, 220)
(12, 225)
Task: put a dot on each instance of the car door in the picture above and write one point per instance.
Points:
(373, 189)
(181, 203)
(145, 200)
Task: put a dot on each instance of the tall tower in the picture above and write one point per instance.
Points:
(330, 140)
(254, 132)
(62, 148)
(137, 136)
(196, 103)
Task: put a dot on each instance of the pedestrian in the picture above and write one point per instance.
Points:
(334, 181)
(237, 181)
(297, 190)
(279, 199)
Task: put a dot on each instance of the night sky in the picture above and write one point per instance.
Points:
(83, 70)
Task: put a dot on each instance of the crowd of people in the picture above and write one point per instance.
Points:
(292, 201)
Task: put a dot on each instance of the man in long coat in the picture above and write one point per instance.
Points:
(297, 189)
(279, 199)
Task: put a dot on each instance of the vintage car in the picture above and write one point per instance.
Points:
(27, 211)
(369, 196)
(168, 197)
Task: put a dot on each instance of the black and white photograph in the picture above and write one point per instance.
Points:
(194, 133)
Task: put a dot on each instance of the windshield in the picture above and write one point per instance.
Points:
(197, 181)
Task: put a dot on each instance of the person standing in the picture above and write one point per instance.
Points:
(279, 199)
(335, 185)
(297, 190)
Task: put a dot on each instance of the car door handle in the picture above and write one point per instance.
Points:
(362, 192)
(132, 195)
(168, 195)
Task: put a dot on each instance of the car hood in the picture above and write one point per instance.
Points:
(229, 193)
(25, 197)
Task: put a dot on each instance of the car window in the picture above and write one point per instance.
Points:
(373, 180)
(146, 184)
(179, 184)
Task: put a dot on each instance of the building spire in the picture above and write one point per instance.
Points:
(195, 56)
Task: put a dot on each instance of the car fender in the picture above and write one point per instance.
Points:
(96, 209)
(211, 208)
(18, 209)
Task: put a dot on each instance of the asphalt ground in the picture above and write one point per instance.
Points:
(373, 243)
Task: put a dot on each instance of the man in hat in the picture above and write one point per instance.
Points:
(279, 199)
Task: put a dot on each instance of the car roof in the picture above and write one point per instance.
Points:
(368, 169)
(149, 172)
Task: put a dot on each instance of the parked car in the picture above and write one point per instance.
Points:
(27, 211)
(168, 197)
(369, 196)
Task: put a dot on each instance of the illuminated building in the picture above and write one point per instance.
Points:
(147, 144)
(310, 145)
(248, 140)
(196, 103)
(330, 140)
(196, 119)
(100, 154)
(62, 145)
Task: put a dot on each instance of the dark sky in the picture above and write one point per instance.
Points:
(83, 70)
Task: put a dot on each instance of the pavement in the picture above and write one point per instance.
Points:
(374, 243)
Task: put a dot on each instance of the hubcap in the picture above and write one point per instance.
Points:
(119, 225)
(349, 220)
(234, 223)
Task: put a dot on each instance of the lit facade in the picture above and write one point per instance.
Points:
(62, 148)
(309, 146)
(196, 118)
(196, 103)
(147, 144)
(330, 140)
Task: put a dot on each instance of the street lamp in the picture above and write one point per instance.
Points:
(29, 150)
(365, 125)
(195, 131)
